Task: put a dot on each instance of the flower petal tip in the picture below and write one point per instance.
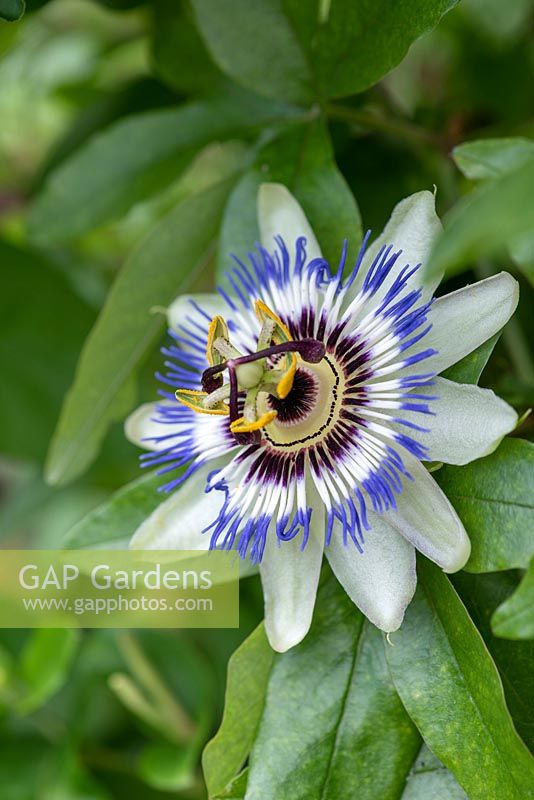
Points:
(138, 426)
(457, 558)
(513, 288)
(284, 638)
(280, 214)
(508, 290)
(390, 622)
(273, 193)
(388, 617)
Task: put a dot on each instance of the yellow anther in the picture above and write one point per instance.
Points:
(241, 425)
(217, 330)
(281, 332)
(285, 384)
(194, 399)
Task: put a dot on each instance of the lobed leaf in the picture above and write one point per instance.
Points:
(179, 54)
(482, 594)
(45, 664)
(303, 50)
(490, 158)
(161, 267)
(492, 216)
(248, 673)
(450, 687)
(494, 498)
(43, 323)
(332, 717)
(136, 156)
(113, 523)
(302, 159)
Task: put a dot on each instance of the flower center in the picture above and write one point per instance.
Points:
(273, 383)
(308, 411)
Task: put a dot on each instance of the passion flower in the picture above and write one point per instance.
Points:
(300, 403)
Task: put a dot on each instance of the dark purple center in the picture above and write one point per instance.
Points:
(300, 401)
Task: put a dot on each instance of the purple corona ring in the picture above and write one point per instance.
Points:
(300, 401)
(326, 401)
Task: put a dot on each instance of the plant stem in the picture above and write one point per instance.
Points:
(374, 120)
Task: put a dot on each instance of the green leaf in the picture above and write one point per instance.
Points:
(12, 10)
(43, 323)
(239, 227)
(355, 44)
(470, 368)
(17, 781)
(490, 217)
(45, 665)
(450, 687)
(64, 776)
(248, 673)
(114, 522)
(514, 619)
(502, 24)
(179, 54)
(121, 5)
(430, 779)
(167, 768)
(258, 47)
(482, 594)
(136, 156)
(333, 727)
(160, 268)
(312, 54)
(236, 790)
(302, 159)
(33, 768)
(494, 498)
(522, 252)
(490, 158)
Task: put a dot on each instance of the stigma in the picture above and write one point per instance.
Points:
(265, 378)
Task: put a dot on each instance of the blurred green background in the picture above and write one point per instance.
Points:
(86, 714)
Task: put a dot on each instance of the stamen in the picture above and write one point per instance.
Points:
(242, 426)
(310, 350)
(285, 384)
(280, 331)
(251, 373)
(196, 401)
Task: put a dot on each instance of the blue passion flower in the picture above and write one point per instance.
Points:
(299, 405)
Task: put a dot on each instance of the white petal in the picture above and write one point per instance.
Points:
(412, 227)
(290, 577)
(469, 423)
(381, 581)
(425, 517)
(177, 523)
(181, 308)
(279, 214)
(463, 320)
(141, 426)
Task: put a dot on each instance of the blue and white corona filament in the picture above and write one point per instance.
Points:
(306, 400)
